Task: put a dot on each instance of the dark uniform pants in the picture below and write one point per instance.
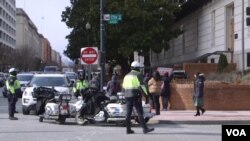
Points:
(137, 103)
(12, 99)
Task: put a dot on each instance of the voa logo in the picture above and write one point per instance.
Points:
(236, 132)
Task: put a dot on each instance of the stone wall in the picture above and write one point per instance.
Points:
(217, 96)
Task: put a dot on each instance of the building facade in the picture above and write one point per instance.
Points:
(214, 27)
(46, 53)
(56, 57)
(7, 31)
(27, 33)
(8, 23)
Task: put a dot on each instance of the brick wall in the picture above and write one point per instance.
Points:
(217, 96)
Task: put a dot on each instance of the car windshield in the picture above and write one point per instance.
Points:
(71, 75)
(49, 81)
(24, 77)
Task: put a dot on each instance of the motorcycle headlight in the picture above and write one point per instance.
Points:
(25, 93)
(66, 97)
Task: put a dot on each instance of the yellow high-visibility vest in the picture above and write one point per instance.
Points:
(132, 85)
(12, 88)
(130, 82)
(80, 85)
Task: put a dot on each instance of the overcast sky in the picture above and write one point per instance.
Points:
(46, 15)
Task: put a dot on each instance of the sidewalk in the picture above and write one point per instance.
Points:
(209, 117)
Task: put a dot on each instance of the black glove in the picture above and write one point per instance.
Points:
(18, 92)
(76, 94)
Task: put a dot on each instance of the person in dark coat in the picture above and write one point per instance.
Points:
(95, 81)
(165, 93)
(199, 93)
(113, 86)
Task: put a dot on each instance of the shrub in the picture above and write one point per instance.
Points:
(222, 64)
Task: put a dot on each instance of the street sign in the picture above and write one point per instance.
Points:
(112, 18)
(106, 17)
(115, 17)
(89, 55)
(113, 22)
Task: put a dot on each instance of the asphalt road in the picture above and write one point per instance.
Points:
(28, 128)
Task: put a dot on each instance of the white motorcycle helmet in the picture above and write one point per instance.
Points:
(13, 71)
(136, 65)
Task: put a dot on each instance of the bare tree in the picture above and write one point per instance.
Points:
(5, 57)
(25, 58)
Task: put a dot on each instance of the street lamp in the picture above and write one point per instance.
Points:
(88, 27)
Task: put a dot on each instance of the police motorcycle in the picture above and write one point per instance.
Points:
(94, 106)
(116, 109)
(89, 105)
(52, 105)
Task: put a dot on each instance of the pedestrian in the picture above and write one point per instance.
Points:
(145, 81)
(134, 88)
(13, 90)
(165, 92)
(95, 81)
(154, 87)
(199, 93)
(113, 86)
(80, 84)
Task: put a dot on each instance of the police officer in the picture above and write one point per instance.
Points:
(13, 90)
(80, 84)
(133, 89)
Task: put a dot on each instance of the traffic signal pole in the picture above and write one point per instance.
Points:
(102, 47)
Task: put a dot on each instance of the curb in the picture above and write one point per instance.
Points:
(199, 122)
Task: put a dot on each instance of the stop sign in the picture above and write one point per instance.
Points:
(89, 55)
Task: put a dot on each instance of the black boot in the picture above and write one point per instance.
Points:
(130, 131)
(197, 112)
(145, 131)
(203, 111)
(144, 126)
(128, 125)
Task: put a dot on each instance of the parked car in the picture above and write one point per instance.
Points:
(51, 69)
(59, 82)
(24, 79)
(180, 74)
(72, 76)
(4, 77)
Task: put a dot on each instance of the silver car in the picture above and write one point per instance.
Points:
(24, 79)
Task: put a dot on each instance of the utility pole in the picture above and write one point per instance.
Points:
(243, 38)
(102, 47)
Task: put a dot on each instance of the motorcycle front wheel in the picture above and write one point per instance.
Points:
(40, 119)
(61, 120)
(80, 119)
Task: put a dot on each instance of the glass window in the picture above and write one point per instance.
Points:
(49, 81)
